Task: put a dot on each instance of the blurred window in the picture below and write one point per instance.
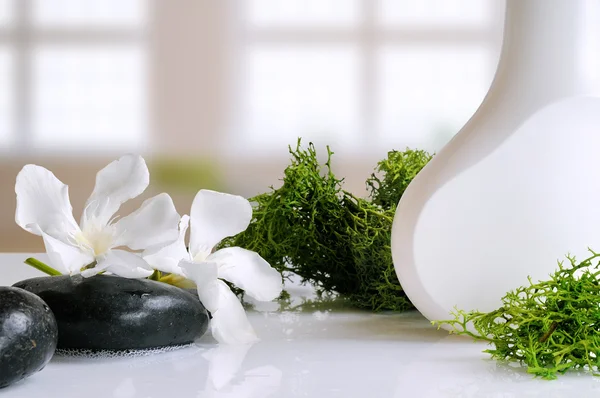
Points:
(89, 13)
(6, 92)
(364, 75)
(73, 75)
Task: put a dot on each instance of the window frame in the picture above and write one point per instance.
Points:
(369, 35)
(21, 36)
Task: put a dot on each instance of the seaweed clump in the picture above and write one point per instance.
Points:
(312, 227)
(548, 327)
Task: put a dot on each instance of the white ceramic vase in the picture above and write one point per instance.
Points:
(519, 186)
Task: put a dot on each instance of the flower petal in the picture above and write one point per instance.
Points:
(229, 323)
(154, 223)
(205, 277)
(43, 204)
(166, 257)
(123, 179)
(89, 272)
(215, 216)
(248, 271)
(65, 258)
(125, 264)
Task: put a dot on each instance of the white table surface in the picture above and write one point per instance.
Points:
(303, 353)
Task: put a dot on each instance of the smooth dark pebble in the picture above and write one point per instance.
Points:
(113, 313)
(28, 335)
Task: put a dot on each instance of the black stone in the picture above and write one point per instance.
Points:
(28, 335)
(113, 313)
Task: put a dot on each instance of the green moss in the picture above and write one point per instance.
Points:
(393, 174)
(340, 243)
(301, 226)
(549, 327)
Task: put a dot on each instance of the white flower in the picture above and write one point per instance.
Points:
(215, 216)
(43, 208)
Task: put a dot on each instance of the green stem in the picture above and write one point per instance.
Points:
(549, 332)
(156, 276)
(177, 280)
(37, 264)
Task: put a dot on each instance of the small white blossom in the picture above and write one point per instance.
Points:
(215, 216)
(44, 209)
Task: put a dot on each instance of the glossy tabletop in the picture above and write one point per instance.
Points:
(307, 351)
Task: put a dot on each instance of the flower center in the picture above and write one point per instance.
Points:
(97, 238)
(201, 256)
